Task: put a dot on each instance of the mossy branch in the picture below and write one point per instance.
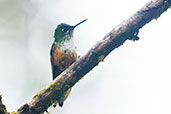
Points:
(2, 107)
(127, 30)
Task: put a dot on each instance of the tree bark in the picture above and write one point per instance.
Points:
(127, 30)
(2, 107)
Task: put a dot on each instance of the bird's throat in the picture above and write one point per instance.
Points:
(67, 45)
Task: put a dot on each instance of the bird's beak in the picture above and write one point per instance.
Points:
(79, 23)
(73, 27)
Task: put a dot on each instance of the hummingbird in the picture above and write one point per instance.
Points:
(63, 53)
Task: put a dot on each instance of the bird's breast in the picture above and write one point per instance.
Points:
(64, 58)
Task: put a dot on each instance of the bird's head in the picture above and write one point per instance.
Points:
(64, 31)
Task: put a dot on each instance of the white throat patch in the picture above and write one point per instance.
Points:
(68, 45)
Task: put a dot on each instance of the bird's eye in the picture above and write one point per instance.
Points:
(62, 30)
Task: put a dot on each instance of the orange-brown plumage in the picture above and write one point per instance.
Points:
(61, 59)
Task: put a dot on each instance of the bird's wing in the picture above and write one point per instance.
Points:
(55, 69)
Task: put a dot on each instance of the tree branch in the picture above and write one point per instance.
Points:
(2, 107)
(127, 30)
